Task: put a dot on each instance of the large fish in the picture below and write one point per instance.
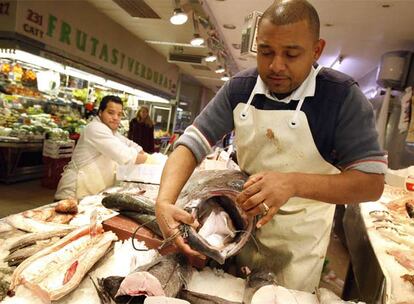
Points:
(210, 196)
(56, 270)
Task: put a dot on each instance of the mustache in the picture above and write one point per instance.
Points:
(278, 75)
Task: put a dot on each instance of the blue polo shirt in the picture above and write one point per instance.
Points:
(340, 117)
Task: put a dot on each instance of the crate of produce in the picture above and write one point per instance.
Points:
(52, 172)
(58, 149)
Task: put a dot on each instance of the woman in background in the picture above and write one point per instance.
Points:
(141, 130)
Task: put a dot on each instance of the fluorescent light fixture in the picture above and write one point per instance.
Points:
(225, 77)
(337, 62)
(84, 75)
(370, 93)
(120, 87)
(174, 43)
(211, 57)
(197, 40)
(220, 70)
(178, 17)
(149, 97)
(51, 65)
(31, 59)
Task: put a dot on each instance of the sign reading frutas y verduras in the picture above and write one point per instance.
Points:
(78, 30)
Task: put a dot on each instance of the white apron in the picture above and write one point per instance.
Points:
(97, 175)
(294, 243)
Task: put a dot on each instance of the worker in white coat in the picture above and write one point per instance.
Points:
(98, 152)
(306, 136)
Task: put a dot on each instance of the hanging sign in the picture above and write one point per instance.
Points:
(76, 29)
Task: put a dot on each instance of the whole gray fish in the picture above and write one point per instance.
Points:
(18, 256)
(146, 220)
(31, 238)
(210, 196)
(165, 276)
(127, 202)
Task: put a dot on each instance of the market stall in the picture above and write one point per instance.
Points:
(380, 240)
(53, 102)
(134, 202)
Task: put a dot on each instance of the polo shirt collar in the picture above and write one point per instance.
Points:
(306, 89)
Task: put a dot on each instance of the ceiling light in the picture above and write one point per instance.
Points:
(220, 70)
(197, 40)
(211, 57)
(229, 26)
(174, 43)
(225, 77)
(337, 62)
(178, 17)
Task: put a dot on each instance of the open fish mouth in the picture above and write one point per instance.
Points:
(210, 196)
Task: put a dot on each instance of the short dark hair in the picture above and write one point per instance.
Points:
(109, 98)
(283, 12)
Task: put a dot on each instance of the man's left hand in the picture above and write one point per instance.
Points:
(264, 193)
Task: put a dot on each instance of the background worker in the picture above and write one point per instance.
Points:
(99, 150)
(141, 130)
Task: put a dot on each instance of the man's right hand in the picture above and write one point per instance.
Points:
(169, 218)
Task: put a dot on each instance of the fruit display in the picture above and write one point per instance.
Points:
(29, 78)
(17, 72)
(80, 94)
(8, 117)
(20, 90)
(25, 119)
(37, 126)
(5, 68)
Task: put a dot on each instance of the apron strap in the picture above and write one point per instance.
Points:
(243, 114)
(294, 122)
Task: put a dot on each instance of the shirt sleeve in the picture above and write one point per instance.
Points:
(117, 147)
(356, 138)
(210, 125)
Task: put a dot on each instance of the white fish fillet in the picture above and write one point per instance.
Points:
(27, 224)
(45, 271)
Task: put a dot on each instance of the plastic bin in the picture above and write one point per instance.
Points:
(58, 149)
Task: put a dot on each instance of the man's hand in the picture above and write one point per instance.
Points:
(141, 157)
(265, 190)
(169, 217)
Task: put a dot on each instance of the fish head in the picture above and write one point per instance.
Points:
(210, 196)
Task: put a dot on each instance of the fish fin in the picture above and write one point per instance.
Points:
(37, 290)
